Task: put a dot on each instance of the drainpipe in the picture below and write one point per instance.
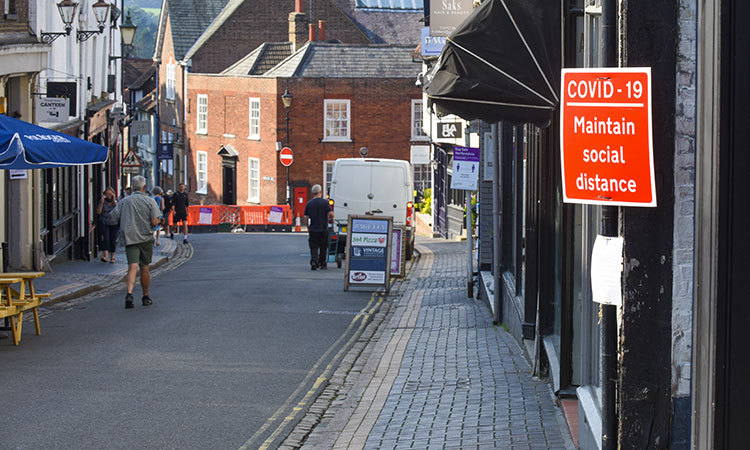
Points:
(610, 224)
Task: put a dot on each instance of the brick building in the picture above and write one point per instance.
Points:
(344, 97)
(208, 36)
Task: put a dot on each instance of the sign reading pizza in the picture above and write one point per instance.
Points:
(606, 146)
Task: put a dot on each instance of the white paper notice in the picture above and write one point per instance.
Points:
(606, 270)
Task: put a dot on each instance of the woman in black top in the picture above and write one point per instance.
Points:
(108, 224)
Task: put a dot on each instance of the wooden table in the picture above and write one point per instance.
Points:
(6, 307)
(22, 299)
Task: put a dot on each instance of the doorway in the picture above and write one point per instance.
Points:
(733, 309)
(229, 182)
(720, 364)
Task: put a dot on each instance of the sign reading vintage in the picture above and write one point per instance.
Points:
(368, 251)
(606, 137)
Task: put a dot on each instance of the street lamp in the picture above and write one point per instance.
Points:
(286, 99)
(67, 10)
(101, 8)
(127, 31)
(127, 36)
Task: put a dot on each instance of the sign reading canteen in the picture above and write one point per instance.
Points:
(368, 262)
(606, 145)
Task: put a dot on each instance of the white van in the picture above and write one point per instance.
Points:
(378, 187)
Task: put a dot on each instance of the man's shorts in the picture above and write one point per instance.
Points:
(180, 217)
(140, 253)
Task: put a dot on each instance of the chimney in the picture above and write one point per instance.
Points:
(311, 36)
(299, 6)
(297, 26)
(321, 30)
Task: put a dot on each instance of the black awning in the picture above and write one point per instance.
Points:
(501, 64)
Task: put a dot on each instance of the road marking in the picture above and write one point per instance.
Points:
(363, 314)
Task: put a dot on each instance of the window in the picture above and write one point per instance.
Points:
(592, 31)
(253, 180)
(170, 81)
(337, 124)
(417, 121)
(327, 176)
(421, 177)
(254, 119)
(392, 5)
(202, 126)
(202, 174)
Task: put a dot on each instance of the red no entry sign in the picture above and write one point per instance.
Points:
(606, 146)
(286, 156)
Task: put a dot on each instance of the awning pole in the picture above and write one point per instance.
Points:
(469, 243)
(610, 221)
(496, 217)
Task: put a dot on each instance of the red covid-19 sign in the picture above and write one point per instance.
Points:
(606, 146)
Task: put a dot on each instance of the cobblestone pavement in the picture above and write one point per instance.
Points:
(436, 373)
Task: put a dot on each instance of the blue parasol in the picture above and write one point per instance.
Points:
(27, 146)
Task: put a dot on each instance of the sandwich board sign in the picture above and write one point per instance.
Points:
(606, 146)
(398, 268)
(368, 252)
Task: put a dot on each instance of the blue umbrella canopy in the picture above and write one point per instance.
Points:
(27, 146)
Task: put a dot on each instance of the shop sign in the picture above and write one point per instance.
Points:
(140, 127)
(420, 154)
(165, 150)
(606, 137)
(431, 45)
(446, 15)
(18, 174)
(450, 130)
(465, 168)
(489, 157)
(54, 110)
(368, 259)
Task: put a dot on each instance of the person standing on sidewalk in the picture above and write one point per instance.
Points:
(138, 214)
(181, 203)
(108, 224)
(158, 196)
(168, 206)
(318, 211)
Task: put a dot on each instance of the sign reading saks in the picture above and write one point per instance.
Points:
(606, 137)
(446, 15)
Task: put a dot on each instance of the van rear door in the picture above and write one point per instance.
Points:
(388, 191)
(352, 189)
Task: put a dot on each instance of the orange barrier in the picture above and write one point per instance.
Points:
(238, 216)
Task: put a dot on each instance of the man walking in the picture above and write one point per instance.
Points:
(318, 211)
(138, 214)
(180, 203)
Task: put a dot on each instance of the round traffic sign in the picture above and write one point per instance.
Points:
(286, 156)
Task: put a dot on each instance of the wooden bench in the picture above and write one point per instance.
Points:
(21, 300)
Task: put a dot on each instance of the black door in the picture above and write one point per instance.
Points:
(733, 314)
(229, 195)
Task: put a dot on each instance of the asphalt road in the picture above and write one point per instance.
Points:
(238, 337)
